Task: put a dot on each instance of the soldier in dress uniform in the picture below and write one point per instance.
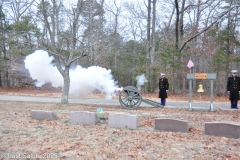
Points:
(163, 89)
(233, 88)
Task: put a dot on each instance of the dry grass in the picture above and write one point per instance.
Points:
(58, 139)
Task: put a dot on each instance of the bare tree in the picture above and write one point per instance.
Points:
(63, 56)
(18, 8)
(116, 11)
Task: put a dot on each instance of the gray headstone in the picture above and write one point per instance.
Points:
(83, 117)
(123, 121)
(43, 115)
(222, 129)
(172, 125)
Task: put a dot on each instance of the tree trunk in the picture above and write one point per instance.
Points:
(1, 79)
(181, 20)
(66, 86)
(176, 42)
(153, 32)
(148, 43)
(177, 25)
(152, 48)
(228, 40)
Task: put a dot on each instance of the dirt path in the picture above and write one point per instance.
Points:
(152, 96)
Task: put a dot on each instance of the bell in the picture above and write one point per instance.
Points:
(200, 88)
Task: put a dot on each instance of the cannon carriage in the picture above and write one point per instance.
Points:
(131, 98)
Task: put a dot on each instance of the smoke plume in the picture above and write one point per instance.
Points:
(83, 81)
(141, 79)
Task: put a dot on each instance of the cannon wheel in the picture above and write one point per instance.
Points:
(130, 97)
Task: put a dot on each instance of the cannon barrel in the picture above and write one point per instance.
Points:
(152, 103)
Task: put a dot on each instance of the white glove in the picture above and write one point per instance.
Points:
(167, 90)
(228, 91)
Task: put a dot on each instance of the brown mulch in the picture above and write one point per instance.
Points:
(23, 137)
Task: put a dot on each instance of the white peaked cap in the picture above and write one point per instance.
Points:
(234, 71)
(162, 74)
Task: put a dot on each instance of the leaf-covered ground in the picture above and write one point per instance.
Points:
(23, 137)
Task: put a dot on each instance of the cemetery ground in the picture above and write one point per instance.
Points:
(23, 137)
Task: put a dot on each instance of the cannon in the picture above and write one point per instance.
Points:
(131, 98)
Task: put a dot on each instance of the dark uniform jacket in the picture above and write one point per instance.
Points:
(233, 85)
(163, 86)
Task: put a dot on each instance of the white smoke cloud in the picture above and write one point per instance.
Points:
(141, 79)
(40, 69)
(83, 81)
